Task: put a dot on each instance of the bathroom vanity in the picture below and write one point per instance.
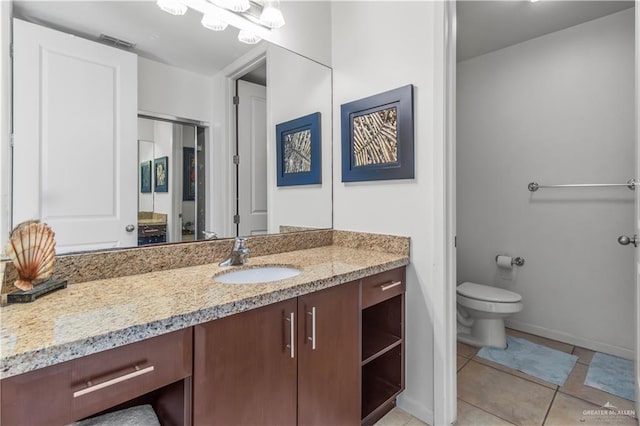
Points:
(324, 347)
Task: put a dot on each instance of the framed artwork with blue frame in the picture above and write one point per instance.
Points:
(188, 174)
(378, 138)
(298, 151)
(145, 176)
(161, 174)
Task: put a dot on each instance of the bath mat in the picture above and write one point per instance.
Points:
(539, 361)
(611, 374)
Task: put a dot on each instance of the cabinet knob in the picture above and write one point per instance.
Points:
(129, 228)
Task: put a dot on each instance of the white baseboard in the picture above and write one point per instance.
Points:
(415, 408)
(571, 339)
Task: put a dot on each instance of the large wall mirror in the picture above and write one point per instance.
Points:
(147, 128)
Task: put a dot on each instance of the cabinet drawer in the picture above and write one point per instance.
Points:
(79, 388)
(151, 230)
(383, 286)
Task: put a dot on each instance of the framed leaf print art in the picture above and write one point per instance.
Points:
(377, 137)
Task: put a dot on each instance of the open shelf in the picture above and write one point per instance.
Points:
(382, 348)
(376, 392)
(376, 342)
(381, 380)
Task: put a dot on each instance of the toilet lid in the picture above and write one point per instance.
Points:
(487, 293)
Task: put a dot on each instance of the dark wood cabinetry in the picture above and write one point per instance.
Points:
(79, 388)
(250, 369)
(332, 357)
(244, 370)
(382, 343)
(152, 234)
(328, 364)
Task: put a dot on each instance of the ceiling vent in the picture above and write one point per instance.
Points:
(116, 42)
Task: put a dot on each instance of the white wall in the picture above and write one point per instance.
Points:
(555, 109)
(307, 30)
(378, 46)
(163, 147)
(5, 120)
(297, 87)
(163, 89)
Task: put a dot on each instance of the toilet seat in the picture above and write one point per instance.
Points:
(487, 293)
(489, 307)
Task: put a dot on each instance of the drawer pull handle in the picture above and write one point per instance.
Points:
(148, 231)
(385, 287)
(313, 328)
(92, 388)
(292, 332)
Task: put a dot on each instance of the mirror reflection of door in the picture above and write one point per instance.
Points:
(251, 149)
(170, 206)
(75, 143)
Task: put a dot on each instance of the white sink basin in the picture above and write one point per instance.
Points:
(260, 274)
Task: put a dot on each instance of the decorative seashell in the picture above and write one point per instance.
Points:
(31, 247)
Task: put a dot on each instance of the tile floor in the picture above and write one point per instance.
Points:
(490, 394)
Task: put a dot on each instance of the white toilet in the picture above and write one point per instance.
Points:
(481, 313)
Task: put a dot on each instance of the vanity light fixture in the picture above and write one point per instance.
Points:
(217, 14)
(238, 5)
(271, 14)
(174, 7)
(248, 37)
(212, 22)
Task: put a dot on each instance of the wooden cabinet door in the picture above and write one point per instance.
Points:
(329, 358)
(244, 372)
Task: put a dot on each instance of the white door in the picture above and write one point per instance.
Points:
(75, 138)
(252, 152)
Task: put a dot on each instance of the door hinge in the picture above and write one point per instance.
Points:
(11, 139)
(455, 241)
(236, 100)
(236, 159)
(236, 219)
(11, 50)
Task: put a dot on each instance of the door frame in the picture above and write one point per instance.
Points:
(228, 136)
(444, 335)
(197, 124)
(447, 400)
(636, 380)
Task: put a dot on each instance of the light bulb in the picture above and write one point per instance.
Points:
(272, 15)
(213, 23)
(174, 7)
(238, 5)
(248, 37)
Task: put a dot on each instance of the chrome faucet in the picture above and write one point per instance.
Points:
(239, 254)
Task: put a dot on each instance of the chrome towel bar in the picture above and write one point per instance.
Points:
(631, 184)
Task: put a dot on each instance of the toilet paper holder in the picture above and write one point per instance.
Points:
(518, 261)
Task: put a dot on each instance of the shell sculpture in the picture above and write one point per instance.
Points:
(31, 247)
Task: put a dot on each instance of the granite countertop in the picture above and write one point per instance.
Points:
(98, 315)
(152, 221)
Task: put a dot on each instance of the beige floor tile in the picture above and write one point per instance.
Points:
(466, 351)
(514, 372)
(461, 362)
(416, 422)
(575, 386)
(395, 417)
(564, 347)
(567, 410)
(468, 415)
(584, 355)
(506, 396)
